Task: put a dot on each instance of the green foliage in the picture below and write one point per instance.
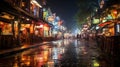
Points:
(86, 9)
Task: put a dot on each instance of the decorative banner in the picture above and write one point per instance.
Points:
(45, 14)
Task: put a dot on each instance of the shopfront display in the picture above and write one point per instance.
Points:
(6, 35)
(6, 28)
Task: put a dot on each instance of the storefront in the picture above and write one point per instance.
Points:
(26, 31)
(46, 30)
(11, 26)
(6, 30)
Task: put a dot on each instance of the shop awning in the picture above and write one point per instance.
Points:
(44, 22)
(105, 23)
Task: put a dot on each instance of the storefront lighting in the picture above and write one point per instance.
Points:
(1, 23)
(22, 29)
(36, 32)
(16, 22)
(35, 2)
(115, 12)
(97, 27)
(51, 62)
(27, 19)
(46, 28)
(41, 26)
(118, 28)
(118, 16)
(50, 18)
(95, 63)
(7, 16)
(40, 58)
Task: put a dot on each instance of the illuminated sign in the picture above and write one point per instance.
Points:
(96, 21)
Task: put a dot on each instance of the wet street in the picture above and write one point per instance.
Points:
(62, 53)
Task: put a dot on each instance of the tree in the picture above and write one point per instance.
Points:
(86, 9)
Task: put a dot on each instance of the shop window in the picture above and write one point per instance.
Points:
(45, 33)
(6, 28)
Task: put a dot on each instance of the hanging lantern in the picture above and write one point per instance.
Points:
(114, 14)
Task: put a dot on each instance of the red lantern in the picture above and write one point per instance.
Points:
(115, 12)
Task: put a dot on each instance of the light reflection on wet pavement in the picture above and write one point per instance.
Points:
(63, 53)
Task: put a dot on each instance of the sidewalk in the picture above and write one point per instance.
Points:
(6, 52)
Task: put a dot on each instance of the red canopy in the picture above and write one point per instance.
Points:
(104, 24)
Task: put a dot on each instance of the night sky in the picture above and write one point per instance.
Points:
(65, 9)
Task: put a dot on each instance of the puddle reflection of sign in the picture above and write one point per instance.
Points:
(55, 53)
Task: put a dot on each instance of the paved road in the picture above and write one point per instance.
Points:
(62, 53)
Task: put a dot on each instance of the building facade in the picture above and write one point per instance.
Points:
(18, 20)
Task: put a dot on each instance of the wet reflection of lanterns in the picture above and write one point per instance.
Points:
(61, 50)
(27, 63)
(25, 60)
(66, 42)
(51, 63)
(40, 60)
(45, 52)
(45, 55)
(15, 65)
